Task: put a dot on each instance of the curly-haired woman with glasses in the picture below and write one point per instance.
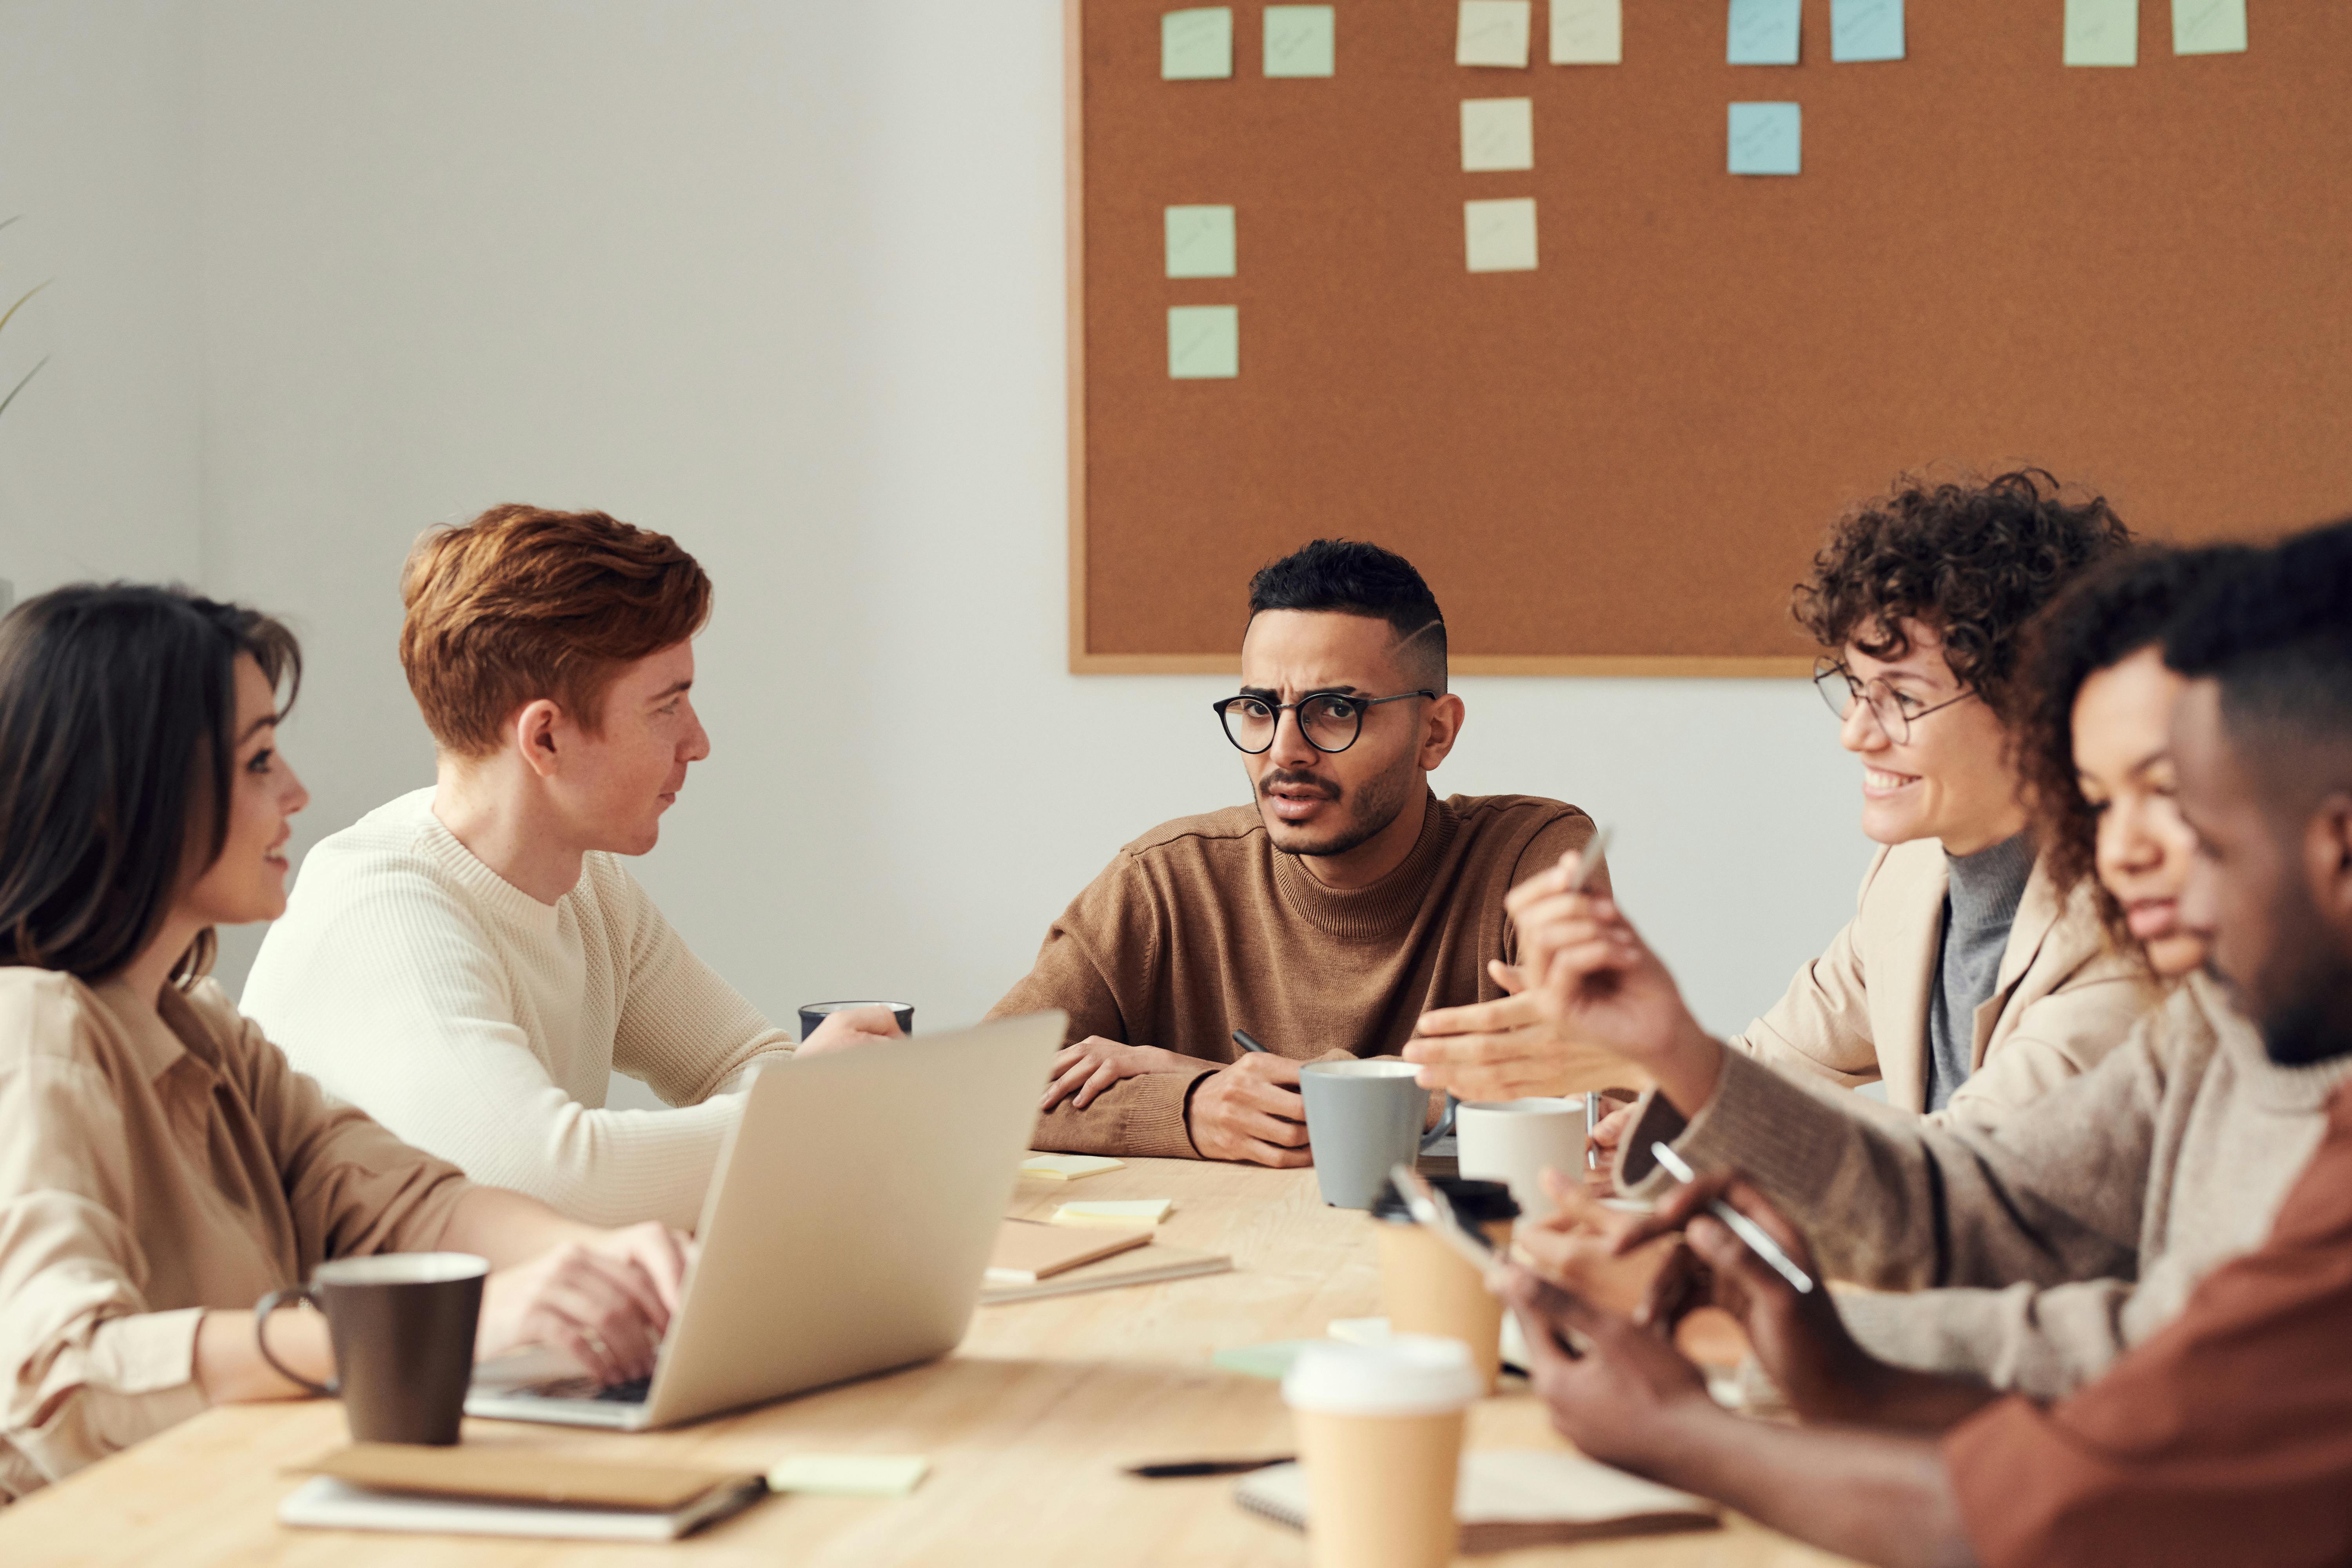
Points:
(1965, 981)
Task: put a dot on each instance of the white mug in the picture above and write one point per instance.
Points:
(1511, 1141)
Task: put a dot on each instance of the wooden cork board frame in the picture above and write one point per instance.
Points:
(1619, 462)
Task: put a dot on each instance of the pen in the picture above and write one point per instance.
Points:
(1746, 1229)
(1592, 1120)
(1242, 1038)
(1596, 850)
(1178, 1469)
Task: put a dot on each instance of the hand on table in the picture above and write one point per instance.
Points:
(606, 1300)
(1084, 1071)
(1251, 1109)
(850, 1028)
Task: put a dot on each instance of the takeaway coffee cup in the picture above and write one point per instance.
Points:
(1511, 1141)
(1427, 1288)
(402, 1327)
(1379, 1435)
(815, 1013)
(1361, 1119)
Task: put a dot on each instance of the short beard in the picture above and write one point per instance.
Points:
(1378, 803)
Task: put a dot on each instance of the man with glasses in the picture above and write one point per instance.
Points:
(1963, 981)
(1322, 919)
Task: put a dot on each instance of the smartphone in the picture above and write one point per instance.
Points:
(1433, 1212)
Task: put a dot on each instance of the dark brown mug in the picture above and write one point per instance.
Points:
(402, 1327)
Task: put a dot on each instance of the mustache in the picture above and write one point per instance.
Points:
(1304, 783)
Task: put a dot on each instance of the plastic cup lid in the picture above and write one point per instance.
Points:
(1405, 1375)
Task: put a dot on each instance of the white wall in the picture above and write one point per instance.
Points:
(98, 459)
(786, 280)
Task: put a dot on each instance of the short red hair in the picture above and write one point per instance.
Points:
(523, 603)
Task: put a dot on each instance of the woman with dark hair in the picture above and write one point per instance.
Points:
(1968, 982)
(161, 1166)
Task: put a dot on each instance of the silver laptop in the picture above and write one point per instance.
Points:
(847, 1231)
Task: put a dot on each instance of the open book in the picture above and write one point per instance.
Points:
(1510, 1497)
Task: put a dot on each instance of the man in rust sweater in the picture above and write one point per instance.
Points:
(2226, 1436)
(1324, 917)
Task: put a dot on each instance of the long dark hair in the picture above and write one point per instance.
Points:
(2108, 613)
(117, 713)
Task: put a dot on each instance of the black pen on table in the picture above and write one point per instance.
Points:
(1181, 1470)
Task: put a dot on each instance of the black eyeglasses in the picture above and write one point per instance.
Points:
(1329, 720)
(1895, 711)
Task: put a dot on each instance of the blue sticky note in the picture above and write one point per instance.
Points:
(1865, 29)
(1762, 33)
(1767, 138)
(1205, 342)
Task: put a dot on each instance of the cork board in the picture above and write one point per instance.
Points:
(1618, 463)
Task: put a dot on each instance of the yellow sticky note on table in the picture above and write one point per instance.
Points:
(1069, 1167)
(1497, 133)
(1588, 32)
(1115, 1212)
(1493, 33)
(850, 1474)
(2102, 32)
(2208, 26)
(1501, 237)
(1196, 45)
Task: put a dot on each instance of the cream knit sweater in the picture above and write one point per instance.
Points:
(480, 1023)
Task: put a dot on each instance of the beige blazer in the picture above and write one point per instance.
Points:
(2064, 999)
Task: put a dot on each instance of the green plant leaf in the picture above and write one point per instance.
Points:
(20, 385)
(22, 297)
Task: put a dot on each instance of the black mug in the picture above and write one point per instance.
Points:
(816, 1013)
(402, 1327)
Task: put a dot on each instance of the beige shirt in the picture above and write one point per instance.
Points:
(2063, 999)
(153, 1164)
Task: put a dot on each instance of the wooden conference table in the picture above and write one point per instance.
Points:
(1026, 1425)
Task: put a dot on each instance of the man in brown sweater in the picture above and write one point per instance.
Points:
(1324, 917)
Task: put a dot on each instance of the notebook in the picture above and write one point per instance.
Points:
(474, 1490)
(1511, 1498)
(1143, 1266)
(1027, 1251)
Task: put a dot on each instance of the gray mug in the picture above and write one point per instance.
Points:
(1361, 1119)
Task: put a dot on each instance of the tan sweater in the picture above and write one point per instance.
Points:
(1201, 927)
(2072, 1232)
(2061, 1001)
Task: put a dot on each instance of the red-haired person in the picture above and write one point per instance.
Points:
(471, 963)
(162, 1167)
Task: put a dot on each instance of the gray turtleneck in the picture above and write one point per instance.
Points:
(1979, 903)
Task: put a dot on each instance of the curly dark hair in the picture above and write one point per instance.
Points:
(2115, 609)
(1974, 561)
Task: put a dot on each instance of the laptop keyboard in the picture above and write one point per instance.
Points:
(631, 1392)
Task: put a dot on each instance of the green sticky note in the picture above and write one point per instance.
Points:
(1762, 33)
(850, 1474)
(1197, 44)
(2102, 32)
(1200, 242)
(1865, 29)
(1205, 342)
(2208, 26)
(1270, 1360)
(1300, 40)
(1766, 139)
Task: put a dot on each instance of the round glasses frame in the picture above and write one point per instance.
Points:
(1338, 708)
(1841, 691)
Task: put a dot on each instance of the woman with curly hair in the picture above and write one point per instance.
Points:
(1967, 981)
